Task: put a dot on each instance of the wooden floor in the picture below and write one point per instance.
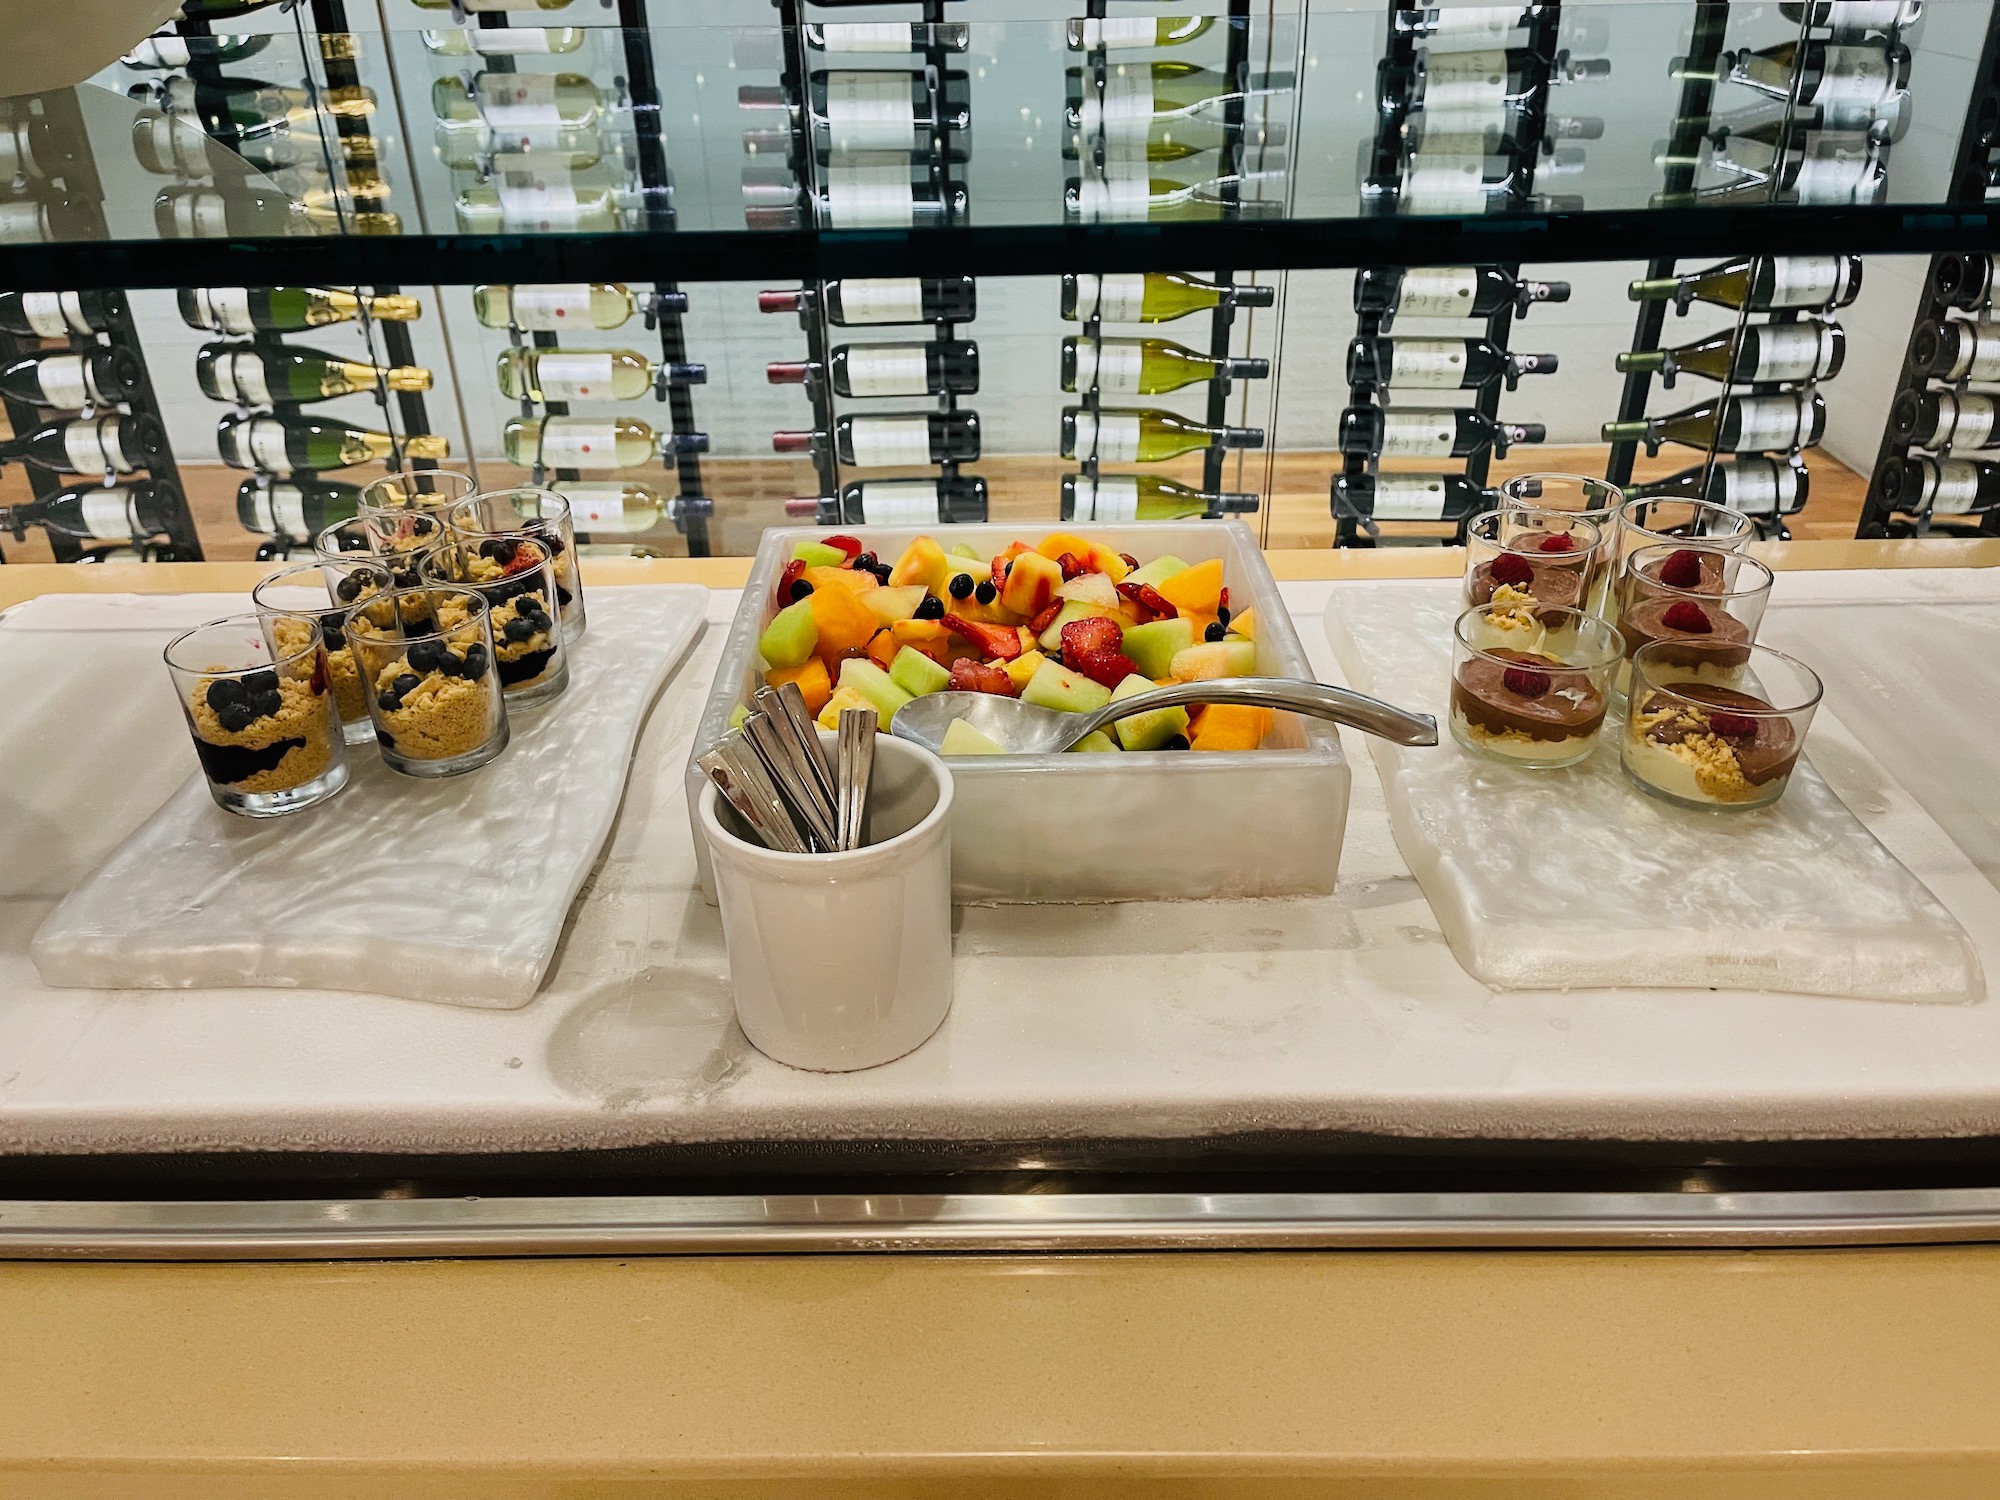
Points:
(749, 495)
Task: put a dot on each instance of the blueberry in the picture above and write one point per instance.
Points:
(425, 655)
(265, 681)
(236, 717)
(1222, 613)
(865, 563)
(1176, 742)
(450, 666)
(882, 572)
(348, 589)
(800, 590)
(519, 630)
(475, 662)
(224, 691)
(264, 705)
(1215, 631)
(405, 683)
(961, 585)
(331, 625)
(562, 596)
(931, 608)
(499, 549)
(389, 702)
(986, 593)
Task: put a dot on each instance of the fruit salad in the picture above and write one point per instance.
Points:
(1066, 623)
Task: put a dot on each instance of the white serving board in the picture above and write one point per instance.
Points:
(1145, 1020)
(453, 890)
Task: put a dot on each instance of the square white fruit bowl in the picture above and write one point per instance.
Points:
(1159, 825)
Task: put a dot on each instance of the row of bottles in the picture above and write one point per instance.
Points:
(1946, 414)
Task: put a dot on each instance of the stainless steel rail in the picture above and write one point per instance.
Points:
(394, 1228)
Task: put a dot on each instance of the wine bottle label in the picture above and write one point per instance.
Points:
(92, 447)
(1441, 292)
(1465, 81)
(1110, 436)
(1117, 199)
(517, 99)
(1113, 299)
(886, 370)
(509, 41)
(1409, 497)
(242, 372)
(882, 299)
(287, 513)
(1855, 75)
(871, 196)
(574, 375)
(882, 442)
(1979, 351)
(1125, 112)
(1443, 183)
(899, 502)
(162, 52)
(1768, 422)
(1121, 32)
(551, 307)
(262, 440)
(1793, 351)
(1428, 364)
(21, 222)
(865, 36)
(1115, 497)
(200, 215)
(1862, 15)
(1807, 280)
(1954, 486)
(65, 381)
(1759, 487)
(1972, 427)
(1111, 365)
(1839, 177)
(608, 507)
(107, 514)
(579, 443)
(535, 191)
(46, 314)
(1419, 432)
(870, 111)
(1489, 25)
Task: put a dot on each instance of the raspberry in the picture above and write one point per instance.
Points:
(1525, 682)
(1108, 668)
(1732, 726)
(1080, 637)
(1558, 541)
(1687, 616)
(1508, 568)
(1682, 570)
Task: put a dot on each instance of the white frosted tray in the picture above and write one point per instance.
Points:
(1574, 879)
(453, 890)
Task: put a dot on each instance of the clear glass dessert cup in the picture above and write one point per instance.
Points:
(1593, 500)
(516, 578)
(401, 543)
(293, 600)
(1648, 522)
(413, 489)
(426, 660)
(1548, 559)
(1699, 602)
(540, 515)
(1692, 742)
(1530, 688)
(264, 724)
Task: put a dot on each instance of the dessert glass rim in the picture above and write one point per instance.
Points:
(1745, 527)
(322, 550)
(1640, 663)
(456, 513)
(1607, 510)
(432, 562)
(1571, 518)
(1582, 621)
(477, 607)
(403, 482)
(255, 623)
(1742, 560)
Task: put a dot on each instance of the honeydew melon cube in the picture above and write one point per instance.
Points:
(1211, 659)
(818, 555)
(791, 636)
(1157, 571)
(916, 674)
(1095, 741)
(891, 605)
(959, 549)
(960, 738)
(1091, 588)
(1151, 729)
(874, 684)
(1056, 686)
(1153, 647)
(738, 715)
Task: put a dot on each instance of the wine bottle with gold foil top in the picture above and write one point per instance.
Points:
(251, 376)
(288, 445)
(286, 309)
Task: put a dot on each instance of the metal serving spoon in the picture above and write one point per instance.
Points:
(1029, 729)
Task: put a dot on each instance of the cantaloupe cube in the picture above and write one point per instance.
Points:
(1244, 624)
(844, 623)
(1056, 543)
(882, 648)
(1230, 726)
(927, 636)
(815, 686)
(853, 581)
(1198, 589)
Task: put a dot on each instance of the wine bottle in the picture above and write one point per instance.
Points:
(1964, 281)
(309, 183)
(591, 442)
(1409, 497)
(897, 37)
(208, 213)
(90, 445)
(285, 445)
(1817, 75)
(891, 369)
(53, 219)
(892, 439)
(1430, 432)
(960, 501)
(251, 376)
(1763, 284)
(1451, 182)
(99, 512)
(1741, 424)
(1512, 135)
(531, 374)
(539, 194)
(1956, 350)
(31, 149)
(229, 107)
(166, 145)
(858, 190)
(1750, 484)
(164, 50)
(475, 146)
(1853, 17)
(1097, 199)
(286, 309)
(1945, 419)
(518, 101)
(505, 41)
(620, 506)
(1138, 96)
(1145, 435)
(1144, 497)
(858, 301)
(1460, 91)
(105, 375)
(1440, 364)
(1097, 33)
(1447, 291)
(296, 510)
(552, 307)
(1939, 486)
(1806, 350)
(57, 315)
(1146, 367)
(1484, 26)
(1154, 297)
(853, 109)
(1175, 140)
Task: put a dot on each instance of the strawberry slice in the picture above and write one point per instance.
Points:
(1108, 667)
(969, 676)
(1046, 618)
(1071, 565)
(1003, 641)
(1511, 569)
(1147, 597)
(1687, 616)
(1095, 634)
(848, 544)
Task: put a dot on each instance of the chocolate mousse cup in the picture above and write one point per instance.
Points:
(1521, 555)
(539, 515)
(264, 724)
(432, 689)
(1696, 744)
(1701, 606)
(1530, 688)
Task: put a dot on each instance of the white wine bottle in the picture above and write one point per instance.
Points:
(1095, 199)
(1144, 497)
(1740, 424)
(286, 445)
(1460, 91)
(1945, 419)
(1939, 486)
(57, 315)
(1853, 17)
(591, 442)
(505, 41)
(1512, 135)
(515, 101)
(210, 213)
(1146, 367)
(960, 501)
(1139, 95)
(1809, 349)
(552, 307)
(1175, 140)
(1448, 291)
(873, 301)
(99, 512)
(1124, 33)
(1440, 364)
(624, 507)
(1430, 432)
(1465, 27)
(1955, 350)
(1145, 435)
(1468, 182)
(892, 439)
(539, 194)
(890, 369)
(1152, 297)
(90, 445)
(475, 146)
(857, 190)
(1763, 284)
(251, 376)
(1408, 497)
(107, 374)
(892, 37)
(295, 510)
(1821, 75)
(876, 109)
(1750, 484)
(286, 309)
(491, 5)
(589, 374)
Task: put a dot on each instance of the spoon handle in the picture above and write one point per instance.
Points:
(1315, 699)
